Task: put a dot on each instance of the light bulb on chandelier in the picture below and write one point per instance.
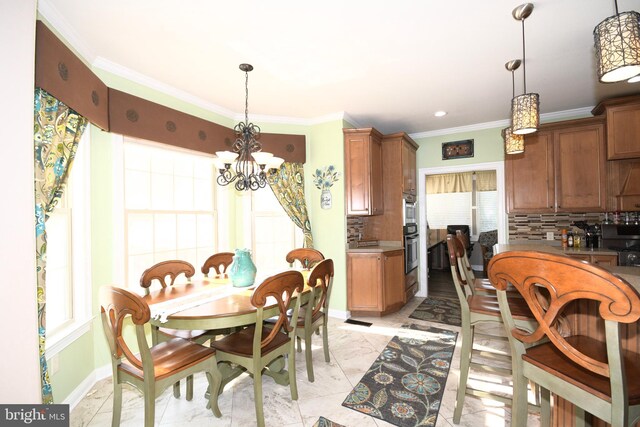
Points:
(247, 165)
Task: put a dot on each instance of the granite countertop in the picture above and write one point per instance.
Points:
(376, 249)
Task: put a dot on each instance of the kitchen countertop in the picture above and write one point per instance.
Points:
(375, 249)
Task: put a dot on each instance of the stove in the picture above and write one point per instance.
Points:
(625, 239)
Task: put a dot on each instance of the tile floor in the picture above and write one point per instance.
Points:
(353, 350)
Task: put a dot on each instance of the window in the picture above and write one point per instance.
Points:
(69, 258)
(170, 210)
(463, 198)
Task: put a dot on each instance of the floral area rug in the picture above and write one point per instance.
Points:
(323, 422)
(439, 309)
(405, 384)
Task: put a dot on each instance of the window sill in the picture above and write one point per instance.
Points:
(67, 336)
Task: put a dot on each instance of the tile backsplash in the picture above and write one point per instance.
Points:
(536, 226)
(355, 229)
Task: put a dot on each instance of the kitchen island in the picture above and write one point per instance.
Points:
(583, 318)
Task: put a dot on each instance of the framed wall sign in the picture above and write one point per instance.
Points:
(457, 149)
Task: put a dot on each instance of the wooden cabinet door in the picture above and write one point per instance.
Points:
(530, 176)
(610, 260)
(408, 169)
(393, 279)
(623, 131)
(363, 172)
(364, 282)
(580, 160)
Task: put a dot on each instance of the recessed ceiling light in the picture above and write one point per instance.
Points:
(440, 113)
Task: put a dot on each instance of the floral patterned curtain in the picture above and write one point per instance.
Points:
(288, 186)
(57, 130)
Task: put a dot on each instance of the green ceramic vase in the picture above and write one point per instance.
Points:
(242, 271)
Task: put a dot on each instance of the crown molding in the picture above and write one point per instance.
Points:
(544, 118)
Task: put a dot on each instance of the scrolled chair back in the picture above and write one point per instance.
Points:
(220, 262)
(307, 257)
(282, 288)
(549, 282)
(321, 279)
(166, 269)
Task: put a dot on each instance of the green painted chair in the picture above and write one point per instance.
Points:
(220, 262)
(258, 347)
(165, 273)
(314, 315)
(154, 368)
(306, 257)
(594, 373)
(475, 310)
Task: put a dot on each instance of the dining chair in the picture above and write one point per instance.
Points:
(220, 262)
(594, 373)
(306, 257)
(480, 310)
(315, 314)
(486, 240)
(257, 347)
(154, 368)
(165, 273)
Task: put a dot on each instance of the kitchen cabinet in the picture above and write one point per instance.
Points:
(375, 282)
(408, 166)
(363, 171)
(623, 126)
(609, 260)
(563, 169)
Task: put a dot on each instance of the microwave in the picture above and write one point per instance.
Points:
(409, 211)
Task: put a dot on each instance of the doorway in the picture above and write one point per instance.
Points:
(498, 167)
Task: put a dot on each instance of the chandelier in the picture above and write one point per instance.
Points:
(247, 165)
(525, 115)
(617, 42)
(513, 143)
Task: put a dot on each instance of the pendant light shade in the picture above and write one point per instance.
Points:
(617, 43)
(513, 144)
(525, 116)
(525, 108)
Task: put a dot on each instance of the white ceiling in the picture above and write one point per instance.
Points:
(387, 64)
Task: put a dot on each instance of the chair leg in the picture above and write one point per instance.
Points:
(257, 392)
(325, 342)
(465, 360)
(176, 390)
(519, 406)
(545, 407)
(580, 415)
(307, 355)
(291, 365)
(149, 406)
(299, 340)
(189, 387)
(117, 404)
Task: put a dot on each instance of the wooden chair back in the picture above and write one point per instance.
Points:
(115, 305)
(220, 262)
(463, 289)
(321, 279)
(549, 282)
(280, 287)
(307, 257)
(164, 269)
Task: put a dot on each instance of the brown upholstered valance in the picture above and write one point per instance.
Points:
(65, 76)
(60, 72)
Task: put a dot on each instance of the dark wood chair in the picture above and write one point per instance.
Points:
(306, 257)
(594, 373)
(315, 314)
(166, 273)
(154, 368)
(257, 346)
(478, 309)
(220, 262)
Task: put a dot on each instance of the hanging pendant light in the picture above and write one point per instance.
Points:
(617, 42)
(247, 165)
(525, 114)
(513, 143)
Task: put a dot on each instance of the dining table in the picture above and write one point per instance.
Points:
(213, 303)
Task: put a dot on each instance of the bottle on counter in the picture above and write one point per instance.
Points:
(570, 239)
(564, 238)
(577, 240)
